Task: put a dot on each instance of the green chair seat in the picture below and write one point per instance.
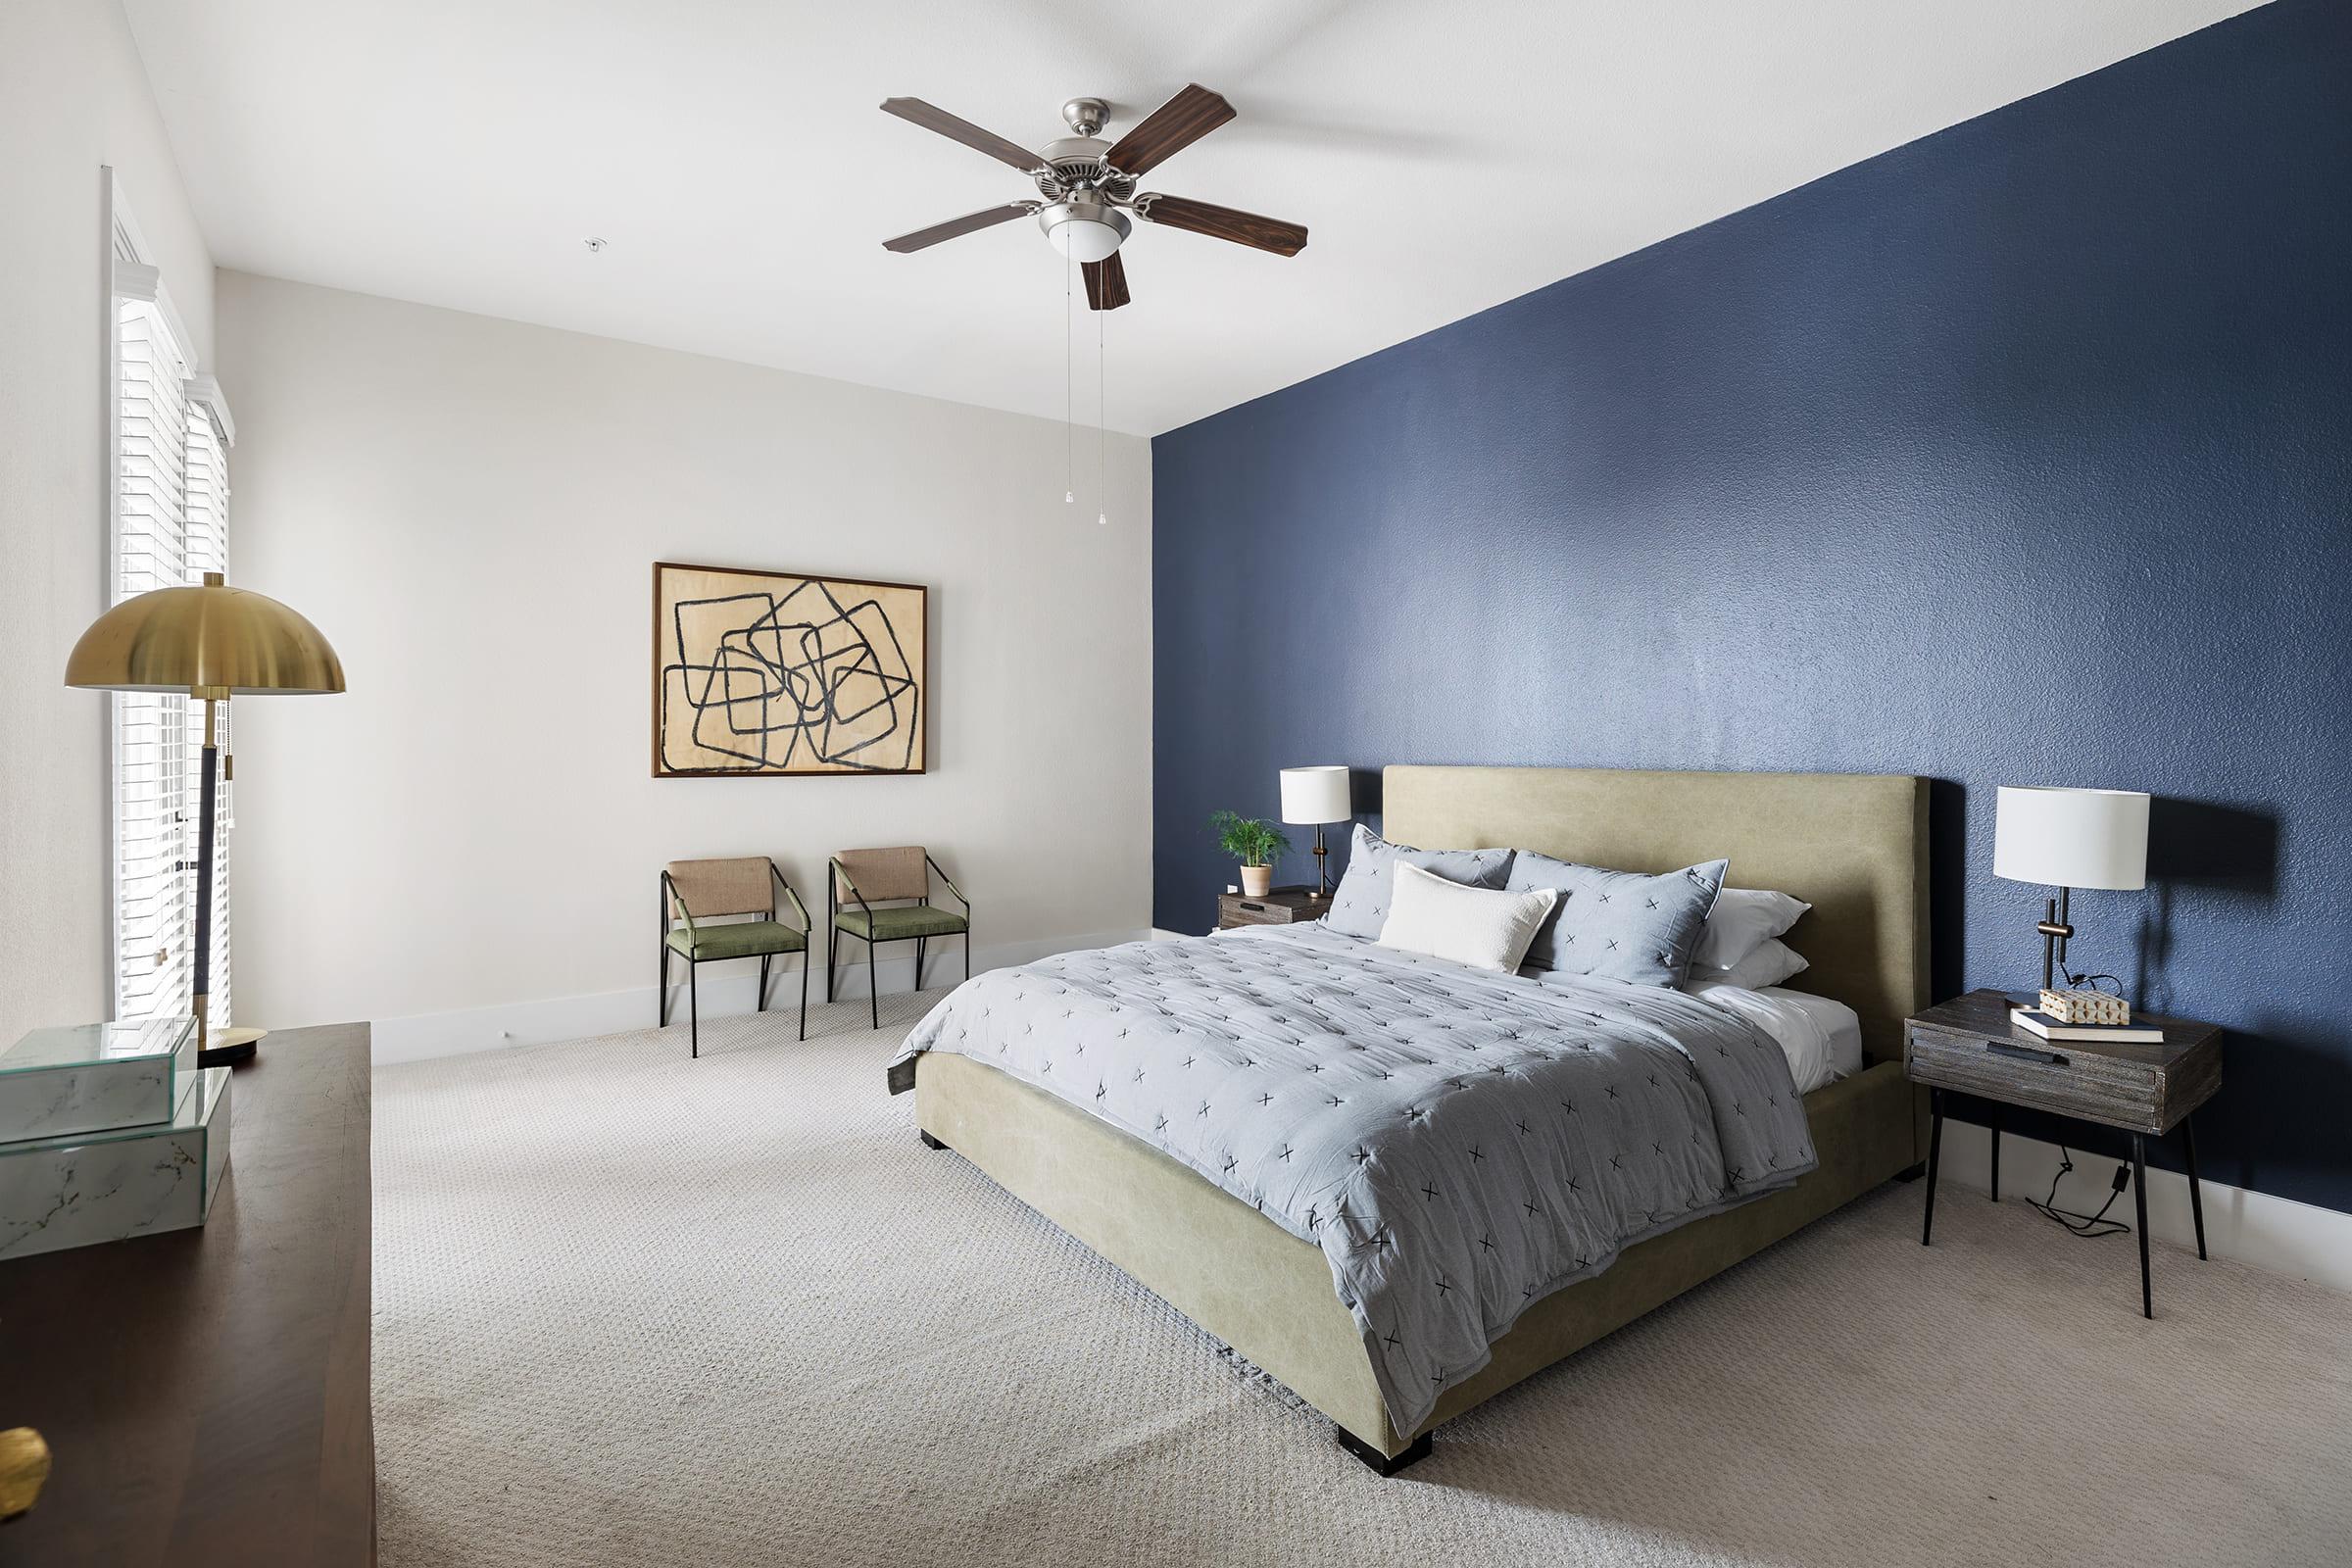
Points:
(744, 939)
(899, 922)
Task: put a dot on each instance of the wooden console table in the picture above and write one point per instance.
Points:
(204, 1393)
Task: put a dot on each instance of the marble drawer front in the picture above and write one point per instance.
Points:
(111, 1185)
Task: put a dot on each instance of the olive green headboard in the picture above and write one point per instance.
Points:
(1852, 845)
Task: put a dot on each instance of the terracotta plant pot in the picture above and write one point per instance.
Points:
(1256, 880)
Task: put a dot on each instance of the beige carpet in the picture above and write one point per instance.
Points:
(636, 1309)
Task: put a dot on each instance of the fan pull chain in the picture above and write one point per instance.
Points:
(1101, 413)
(1070, 390)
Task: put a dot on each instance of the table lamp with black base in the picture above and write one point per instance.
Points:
(2068, 839)
(1316, 796)
(213, 642)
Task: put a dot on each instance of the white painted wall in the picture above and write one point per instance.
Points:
(72, 99)
(466, 841)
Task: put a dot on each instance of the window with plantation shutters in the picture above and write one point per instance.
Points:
(171, 527)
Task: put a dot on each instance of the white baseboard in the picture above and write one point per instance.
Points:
(727, 988)
(2277, 1234)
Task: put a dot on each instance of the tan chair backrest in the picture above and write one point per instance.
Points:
(883, 874)
(723, 887)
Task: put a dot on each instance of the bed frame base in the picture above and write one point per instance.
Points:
(930, 1141)
(1251, 1285)
(1911, 1173)
(1381, 1464)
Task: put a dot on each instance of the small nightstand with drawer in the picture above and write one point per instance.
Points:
(1281, 907)
(1969, 1046)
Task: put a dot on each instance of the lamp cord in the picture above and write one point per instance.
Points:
(2087, 1226)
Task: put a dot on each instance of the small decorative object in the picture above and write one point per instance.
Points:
(773, 674)
(1317, 795)
(24, 1469)
(1255, 844)
(95, 1077)
(213, 642)
(2068, 838)
(2085, 1006)
(124, 1182)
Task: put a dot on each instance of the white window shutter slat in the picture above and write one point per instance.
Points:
(208, 551)
(170, 523)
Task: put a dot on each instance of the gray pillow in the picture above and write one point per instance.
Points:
(1619, 925)
(1359, 905)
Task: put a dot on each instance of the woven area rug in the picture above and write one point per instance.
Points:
(632, 1309)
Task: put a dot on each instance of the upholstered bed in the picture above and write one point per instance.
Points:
(1853, 847)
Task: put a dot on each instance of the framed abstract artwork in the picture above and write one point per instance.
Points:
(778, 674)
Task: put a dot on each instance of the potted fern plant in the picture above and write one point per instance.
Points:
(1254, 843)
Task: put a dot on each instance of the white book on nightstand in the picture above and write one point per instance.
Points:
(2050, 1028)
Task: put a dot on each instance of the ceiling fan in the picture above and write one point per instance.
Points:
(1088, 186)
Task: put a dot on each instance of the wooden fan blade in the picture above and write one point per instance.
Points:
(1105, 283)
(969, 221)
(1169, 129)
(933, 117)
(1224, 223)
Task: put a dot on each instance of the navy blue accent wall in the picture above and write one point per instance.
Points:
(2022, 454)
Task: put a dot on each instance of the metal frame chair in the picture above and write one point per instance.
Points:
(836, 878)
(673, 900)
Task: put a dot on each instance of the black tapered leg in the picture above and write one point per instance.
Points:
(873, 996)
(665, 986)
(1927, 1226)
(967, 949)
(803, 1031)
(832, 964)
(1997, 1154)
(2196, 1199)
(693, 1011)
(1381, 1464)
(762, 1008)
(929, 1141)
(920, 943)
(2139, 1198)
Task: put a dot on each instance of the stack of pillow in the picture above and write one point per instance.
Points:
(1501, 908)
(1741, 944)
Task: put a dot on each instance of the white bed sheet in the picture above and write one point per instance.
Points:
(1820, 1037)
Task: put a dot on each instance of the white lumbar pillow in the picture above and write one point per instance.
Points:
(1483, 928)
(1742, 920)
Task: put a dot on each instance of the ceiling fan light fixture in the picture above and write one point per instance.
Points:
(1084, 230)
(1090, 200)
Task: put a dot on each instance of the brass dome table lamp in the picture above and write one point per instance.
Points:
(213, 642)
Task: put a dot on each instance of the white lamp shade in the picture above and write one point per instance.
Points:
(2071, 838)
(1315, 795)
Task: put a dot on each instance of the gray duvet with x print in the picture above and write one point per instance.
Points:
(1459, 1144)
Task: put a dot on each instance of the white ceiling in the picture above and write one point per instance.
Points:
(1447, 157)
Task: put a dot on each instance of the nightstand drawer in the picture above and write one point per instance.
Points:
(2045, 1076)
(1282, 907)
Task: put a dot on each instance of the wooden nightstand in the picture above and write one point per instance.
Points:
(1969, 1046)
(1281, 907)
